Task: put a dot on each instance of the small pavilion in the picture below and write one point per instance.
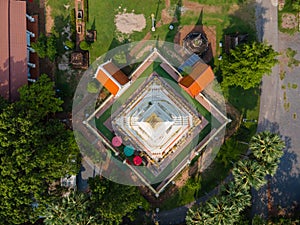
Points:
(112, 78)
(198, 78)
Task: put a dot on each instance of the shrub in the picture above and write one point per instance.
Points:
(84, 45)
(70, 44)
(92, 87)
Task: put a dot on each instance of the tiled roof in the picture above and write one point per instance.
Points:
(200, 76)
(110, 85)
(111, 77)
(116, 73)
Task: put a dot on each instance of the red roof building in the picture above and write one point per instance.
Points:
(14, 56)
(200, 76)
(111, 77)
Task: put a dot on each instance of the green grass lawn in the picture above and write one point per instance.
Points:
(58, 9)
(102, 13)
(101, 18)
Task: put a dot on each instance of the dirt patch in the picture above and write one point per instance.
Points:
(166, 17)
(127, 23)
(233, 8)
(196, 7)
(168, 3)
(49, 20)
(289, 21)
(210, 33)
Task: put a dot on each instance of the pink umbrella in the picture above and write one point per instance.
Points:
(137, 160)
(116, 141)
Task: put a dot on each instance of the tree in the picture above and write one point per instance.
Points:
(249, 173)
(112, 201)
(267, 147)
(39, 99)
(216, 210)
(40, 46)
(246, 64)
(72, 209)
(3, 104)
(84, 45)
(46, 46)
(51, 51)
(237, 195)
(35, 151)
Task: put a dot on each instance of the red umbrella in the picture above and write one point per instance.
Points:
(137, 160)
(116, 141)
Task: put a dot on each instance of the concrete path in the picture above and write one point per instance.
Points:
(273, 116)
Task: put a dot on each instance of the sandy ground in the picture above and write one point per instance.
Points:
(196, 7)
(49, 19)
(129, 22)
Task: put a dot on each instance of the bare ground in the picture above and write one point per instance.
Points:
(49, 20)
(129, 22)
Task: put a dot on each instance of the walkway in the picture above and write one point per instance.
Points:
(273, 116)
(80, 24)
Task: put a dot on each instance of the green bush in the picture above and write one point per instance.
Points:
(73, 25)
(84, 45)
(92, 87)
(70, 44)
(40, 46)
(51, 50)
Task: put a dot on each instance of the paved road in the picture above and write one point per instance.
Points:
(273, 116)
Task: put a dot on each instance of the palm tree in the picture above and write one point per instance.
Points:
(267, 146)
(237, 195)
(270, 167)
(221, 211)
(217, 210)
(195, 216)
(249, 173)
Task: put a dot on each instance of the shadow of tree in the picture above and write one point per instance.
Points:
(241, 21)
(93, 26)
(243, 100)
(268, 125)
(60, 23)
(283, 186)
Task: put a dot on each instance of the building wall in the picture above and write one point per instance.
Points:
(13, 58)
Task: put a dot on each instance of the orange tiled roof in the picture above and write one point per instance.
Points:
(198, 79)
(107, 82)
(116, 73)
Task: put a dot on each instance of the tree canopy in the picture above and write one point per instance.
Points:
(225, 208)
(46, 46)
(71, 209)
(112, 201)
(246, 64)
(35, 151)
